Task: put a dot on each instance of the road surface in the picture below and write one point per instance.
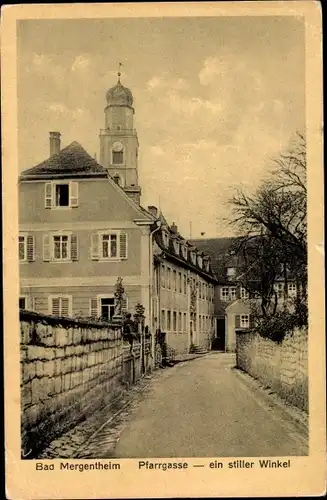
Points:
(203, 408)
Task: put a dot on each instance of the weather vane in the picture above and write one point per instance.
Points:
(119, 72)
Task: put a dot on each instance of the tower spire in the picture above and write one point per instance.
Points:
(119, 72)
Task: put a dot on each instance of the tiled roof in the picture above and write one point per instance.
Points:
(221, 252)
(72, 160)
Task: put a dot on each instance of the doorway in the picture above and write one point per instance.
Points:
(218, 344)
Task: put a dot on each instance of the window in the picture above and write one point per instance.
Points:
(176, 246)
(107, 307)
(163, 272)
(174, 321)
(244, 293)
(180, 326)
(61, 194)
(22, 302)
(174, 281)
(117, 179)
(109, 245)
(244, 321)
(117, 157)
(184, 325)
(180, 283)
(228, 293)
(200, 261)
(184, 251)
(163, 319)
(165, 238)
(169, 278)
(291, 289)
(60, 305)
(279, 289)
(224, 293)
(61, 247)
(169, 321)
(193, 257)
(26, 246)
(185, 284)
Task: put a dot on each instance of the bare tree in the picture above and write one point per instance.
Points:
(274, 226)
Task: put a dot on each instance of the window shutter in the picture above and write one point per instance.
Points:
(74, 247)
(251, 322)
(95, 246)
(94, 307)
(55, 306)
(46, 247)
(30, 248)
(65, 309)
(237, 321)
(73, 194)
(48, 195)
(123, 245)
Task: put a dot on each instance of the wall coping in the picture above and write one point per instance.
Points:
(25, 315)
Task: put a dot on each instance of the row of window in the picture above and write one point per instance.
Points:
(105, 245)
(228, 293)
(173, 321)
(62, 305)
(177, 282)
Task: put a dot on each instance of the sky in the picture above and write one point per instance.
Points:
(215, 99)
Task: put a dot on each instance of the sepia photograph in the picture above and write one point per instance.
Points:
(162, 203)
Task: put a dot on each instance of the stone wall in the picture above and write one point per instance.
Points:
(69, 369)
(283, 367)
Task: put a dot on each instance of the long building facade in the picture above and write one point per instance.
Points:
(82, 226)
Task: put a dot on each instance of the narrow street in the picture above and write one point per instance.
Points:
(204, 407)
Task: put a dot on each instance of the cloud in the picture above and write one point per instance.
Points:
(59, 108)
(81, 63)
(210, 70)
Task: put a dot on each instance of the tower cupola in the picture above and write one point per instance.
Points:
(118, 140)
(119, 95)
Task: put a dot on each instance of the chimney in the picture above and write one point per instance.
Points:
(174, 228)
(54, 143)
(153, 210)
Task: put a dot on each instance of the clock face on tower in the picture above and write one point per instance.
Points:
(117, 146)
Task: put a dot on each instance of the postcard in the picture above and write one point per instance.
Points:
(163, 250)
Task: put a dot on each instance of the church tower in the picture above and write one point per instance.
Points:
(118, 140)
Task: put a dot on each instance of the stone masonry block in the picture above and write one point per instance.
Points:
(49, 368)
(61, 336)
(26, 394)
(39, 368)
(58, 384)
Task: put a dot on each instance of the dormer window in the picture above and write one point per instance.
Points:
(200, 261)
(193, 257)
(165, 238)
(231, 273)
(176, 246)
(117, 180)
(184, 251)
